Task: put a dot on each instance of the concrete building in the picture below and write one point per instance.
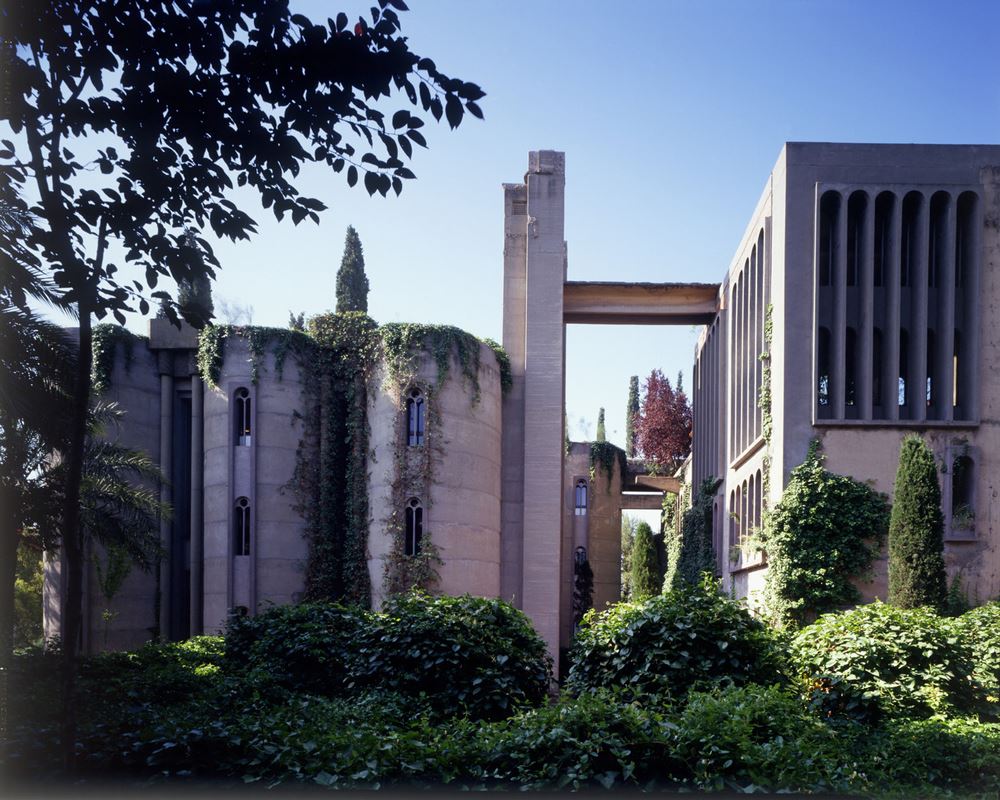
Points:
(860, 306)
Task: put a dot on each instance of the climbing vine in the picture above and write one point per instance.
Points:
(281, 341)
(826, 530)
(690, 551)
(338, 355)
(764, 403)
(106, 340)
(605, 455)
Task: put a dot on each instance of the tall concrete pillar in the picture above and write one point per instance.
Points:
(166, 495)
(512, 429)
(197, 503)
(535, 334)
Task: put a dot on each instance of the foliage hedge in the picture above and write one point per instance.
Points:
(825, 530)
(462, 655)
(906, 663)
(981, 629)
(916, 530)
(205, 713)
(689, 637)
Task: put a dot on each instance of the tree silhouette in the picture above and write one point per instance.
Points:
(137, 123)
(352, 283)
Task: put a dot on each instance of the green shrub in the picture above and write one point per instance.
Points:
(691, 550)
(589, 741)
(467, 655)
(310, 647)
(759, 738)
(645, 580)
(981, 629)
(912, 663)
(826, 530)
(690, 636)
(916, 530)
(912, 758)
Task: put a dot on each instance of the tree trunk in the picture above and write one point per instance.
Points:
(8, 574)
(72, 610)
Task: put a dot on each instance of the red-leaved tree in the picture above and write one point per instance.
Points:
(663, 426)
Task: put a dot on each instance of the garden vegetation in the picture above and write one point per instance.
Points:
(682, 691)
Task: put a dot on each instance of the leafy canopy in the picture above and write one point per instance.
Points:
(135, 123)
(663, 427)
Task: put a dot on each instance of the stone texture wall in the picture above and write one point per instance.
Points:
(136, 390)
(462, 511)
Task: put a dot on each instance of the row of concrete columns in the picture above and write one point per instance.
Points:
(896, 279)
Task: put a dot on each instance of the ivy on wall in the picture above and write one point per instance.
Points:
(107, 338)
(690, 551)
(337, 357)
(826, 530)
(764, 403)
(605, 455)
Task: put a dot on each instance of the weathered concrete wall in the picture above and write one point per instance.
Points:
(136, 390)
(274, 572)
(462, 510)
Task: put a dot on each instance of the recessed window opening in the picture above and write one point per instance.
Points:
(414, 527)
(740, 516)
(911, 213)
(856, 206)
(416, 411)
(956, 363)
(962, 487)
(850, 366)
(876, 367)
(935, 252)
(242, 416)
(829, 211)
(757, 502)
(965, 219)
(823, 369)
(733, 530)
(930, 367)
(241, 527)
(904, 365)
(580, 504)
(883, 229)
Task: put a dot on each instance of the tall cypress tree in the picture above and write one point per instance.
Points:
(916, 530)
(646, 578)
(601, 434)
(352, 283)
(631, 412)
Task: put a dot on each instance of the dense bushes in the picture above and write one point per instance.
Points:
(688, 637)
(916, 530)
(464, 655)
(826, 530)
(981, 629)
(911, 663)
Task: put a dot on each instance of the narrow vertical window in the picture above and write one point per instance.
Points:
(241, 413)
(751, 505)
(758, 501)
(829, 210)
(241, 527)
(931, 388)
(580, 503)
(876, 367)
(883, 223)
(962, 497)
(733, 517)
(416, 409)
(956, 384)
(850, 366)
(856, 207)
(738, 514)
(414, 527)
(904, 365)
(823, 368)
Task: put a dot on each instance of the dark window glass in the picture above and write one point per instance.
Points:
(416, 411)
(414, 533)
(241, 527)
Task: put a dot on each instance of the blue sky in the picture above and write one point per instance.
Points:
(671, 115)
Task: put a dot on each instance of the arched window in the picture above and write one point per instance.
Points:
(829, 211)
(416, 413)
(733, 515)
(581, 498)
(241, 527)
(414, 527)
(241, 415)
(757, 501)
(962, 493)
